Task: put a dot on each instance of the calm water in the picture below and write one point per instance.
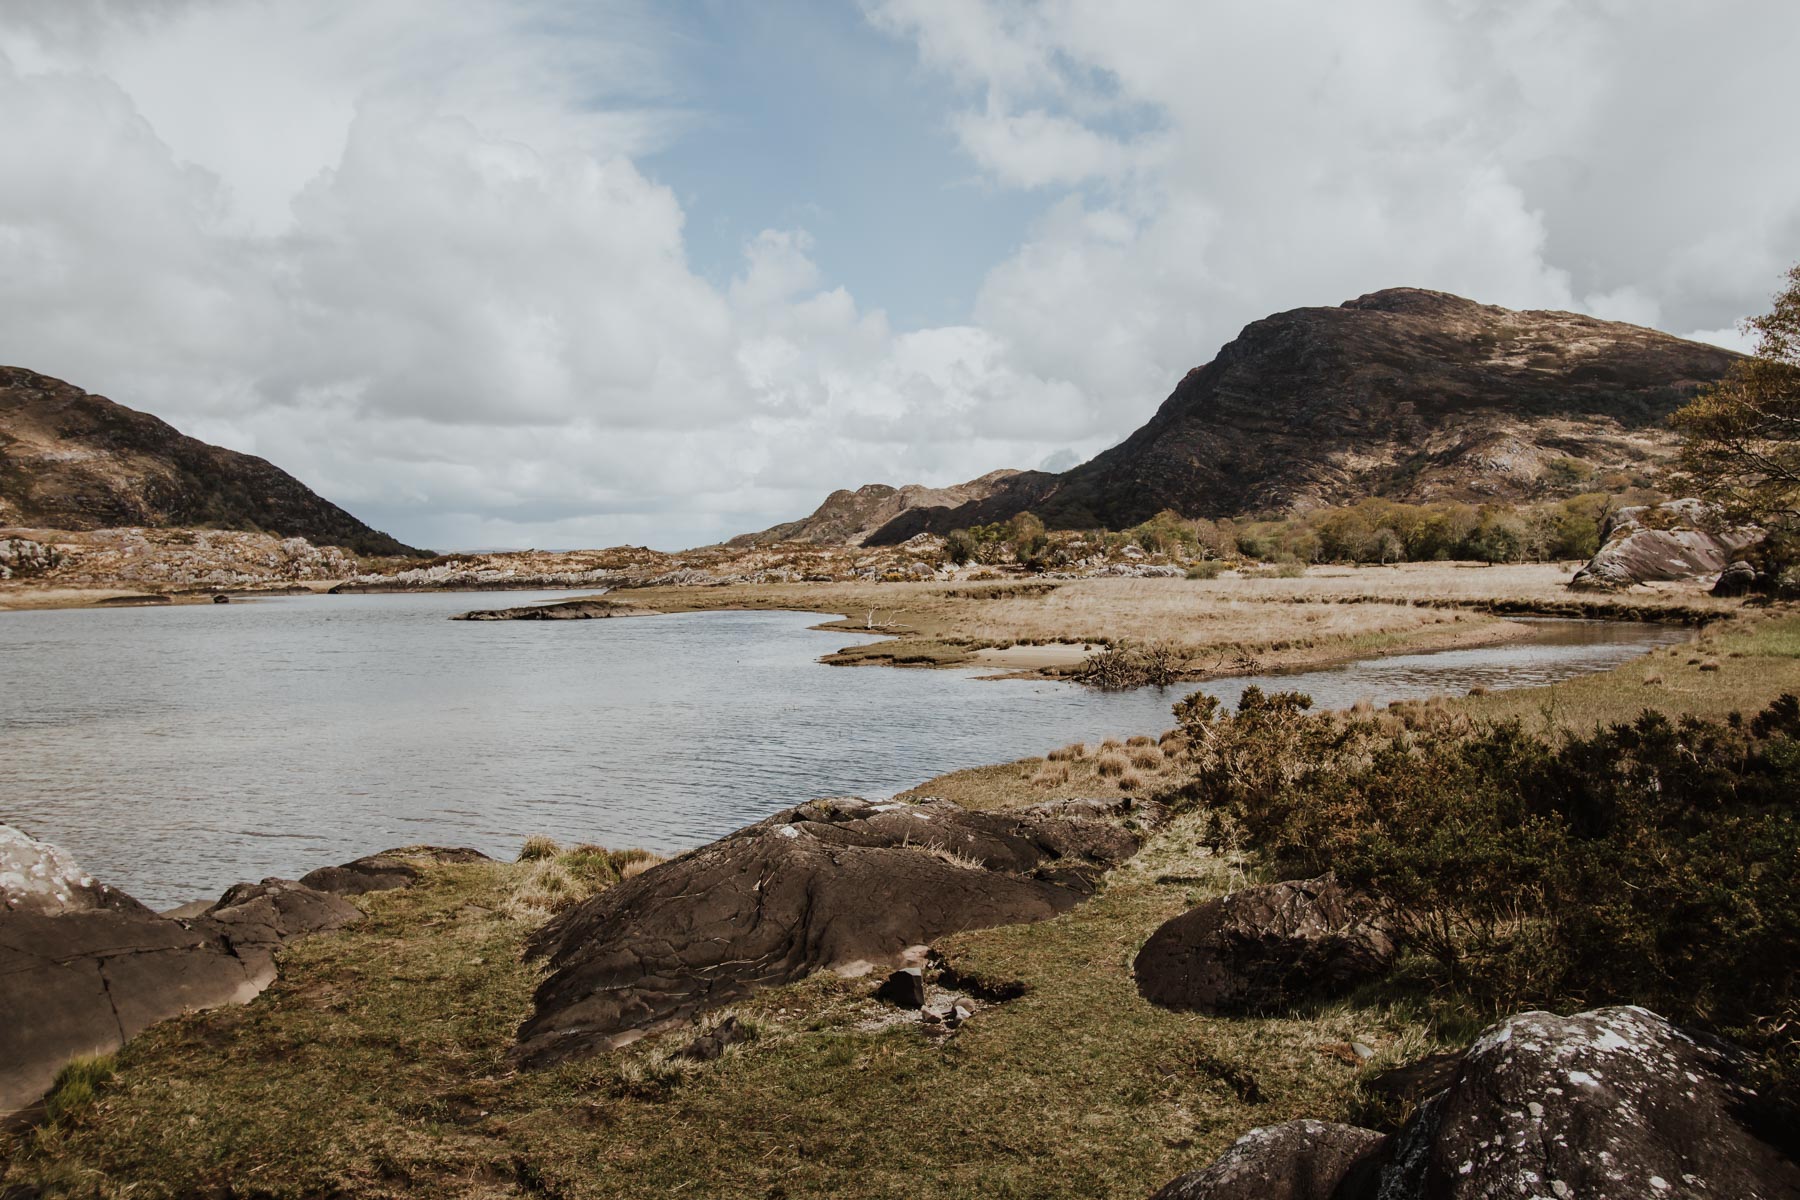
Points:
(177, 750)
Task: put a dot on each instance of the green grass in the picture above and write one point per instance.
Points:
(378, 1066)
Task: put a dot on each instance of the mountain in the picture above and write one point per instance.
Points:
(847, 518)
(70, 460)
(1409, 394)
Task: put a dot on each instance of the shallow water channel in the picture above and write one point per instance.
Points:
(178, 750)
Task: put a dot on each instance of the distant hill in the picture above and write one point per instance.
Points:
(1407, 394)
(846, 517)
(70, 460)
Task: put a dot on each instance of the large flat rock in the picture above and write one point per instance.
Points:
(842, 884)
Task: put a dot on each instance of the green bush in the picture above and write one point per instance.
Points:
(1655, 862)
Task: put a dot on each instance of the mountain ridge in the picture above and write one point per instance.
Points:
(1405, 393)
(73, 460)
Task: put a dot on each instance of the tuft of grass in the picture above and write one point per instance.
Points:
(1111, 765)
(537, 847)
(1146, 758)
(78, 1085)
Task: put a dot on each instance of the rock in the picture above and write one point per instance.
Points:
(1265, 948)
(712, 1044)
(390, 869)
(1737, 579)
(1410, 1085)
(221, 598)
(567, 610)
(1613, 1104)
(1299, 1160)
(1679, 540)
(87, 968)
(905, 988)
(39, 877)
(843, 884)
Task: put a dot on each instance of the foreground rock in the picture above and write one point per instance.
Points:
(1679, 540)
(390, 869)
(84, 968)
(1265, 948)
(843, 884)
(567, 610)
(1301, 1160)
(1614, 1104)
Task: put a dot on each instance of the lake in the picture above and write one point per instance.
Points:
(177, 750)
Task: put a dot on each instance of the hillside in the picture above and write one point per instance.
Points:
(847, 518)
(1408, 394)
(70, 460)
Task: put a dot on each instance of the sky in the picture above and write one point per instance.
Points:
(562, 273)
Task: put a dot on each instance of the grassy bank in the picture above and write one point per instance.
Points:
(1073, 1089)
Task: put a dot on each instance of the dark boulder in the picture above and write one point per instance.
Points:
(385, 871)
(843, 884)
(904, 988)
(1299, 1160)
(1614, 1104)
(1265, 948)
(1737, 579)
(256, 918)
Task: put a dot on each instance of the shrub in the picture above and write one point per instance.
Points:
(1651, 862)
(1127, 666)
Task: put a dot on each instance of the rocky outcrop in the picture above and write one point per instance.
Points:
(390, 869)
(1265, 948)
(1738, 578)
(1680, 540)
(567, 610)
(84, 967)
(847, 518)
(1409, 394)
(77, 461)
(1299, 1160)
(840, 884)
(1613, 1104)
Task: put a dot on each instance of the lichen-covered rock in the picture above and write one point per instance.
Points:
(1613, 1104)
(844, 884)
(38, 877)
(1265, 948)
(1299, 1160)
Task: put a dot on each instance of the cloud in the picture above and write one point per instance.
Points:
(418, 254)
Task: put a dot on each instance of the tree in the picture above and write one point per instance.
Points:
(1741, 436)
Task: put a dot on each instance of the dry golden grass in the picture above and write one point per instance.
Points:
(1217, 626)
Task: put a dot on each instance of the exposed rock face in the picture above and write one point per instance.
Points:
(1409, 394)
(848, 518)
(1613, 1104)
(1683, 539)
(1300, 1160)
(70, 460)
(85, 968)
(1264, 948)
(843, 884)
